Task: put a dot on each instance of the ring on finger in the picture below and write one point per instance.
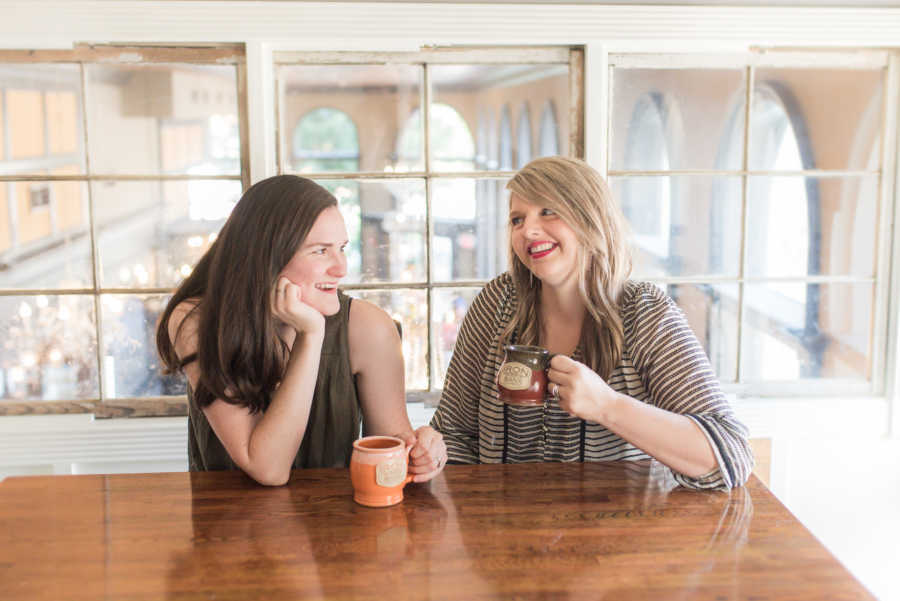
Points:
(554, 390)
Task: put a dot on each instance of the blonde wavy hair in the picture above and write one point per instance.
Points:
(580, 197)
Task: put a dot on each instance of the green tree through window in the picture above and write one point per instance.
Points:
(453, 148)
(325, 139)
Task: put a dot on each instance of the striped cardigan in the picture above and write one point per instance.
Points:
(662, 363)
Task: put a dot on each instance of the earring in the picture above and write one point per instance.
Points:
(531, 278)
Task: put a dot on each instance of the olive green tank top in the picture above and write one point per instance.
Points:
(335, 417)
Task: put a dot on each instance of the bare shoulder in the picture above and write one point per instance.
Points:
(182, 326)
(371, 332)
(368, 320)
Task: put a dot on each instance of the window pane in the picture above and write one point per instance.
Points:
(801, 226)
(478, 109)
(131, 367)
(351, 118)
(677, 119)
(450, 306)
(163, 119)
(524, 146)
(816, 119)
(684, 225)
(470, 233)
(801, 331)
(712, 312)
(152, 233)
(42, 113)
(548, 140)
(50, 244)
(386, 226)
(49, 349)
(410, 308)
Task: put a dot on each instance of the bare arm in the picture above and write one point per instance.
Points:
(263, 445)
(376, 359)
(685, 421)
(673, 439)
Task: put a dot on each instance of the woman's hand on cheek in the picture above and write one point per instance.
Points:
(582, 393)
(288, 306)
(428, 456)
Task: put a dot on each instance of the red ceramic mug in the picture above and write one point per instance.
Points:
(522, 379)
(378, 470)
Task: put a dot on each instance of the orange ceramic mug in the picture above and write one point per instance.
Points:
(378, 470)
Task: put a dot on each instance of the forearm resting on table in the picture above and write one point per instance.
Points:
(673, 439)
(273, 440)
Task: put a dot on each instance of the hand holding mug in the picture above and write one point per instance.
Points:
(580, 390)
(428, 455)
(288, 306)
(378, 470)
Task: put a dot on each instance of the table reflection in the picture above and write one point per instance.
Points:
(532, 531)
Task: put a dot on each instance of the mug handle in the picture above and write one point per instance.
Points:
(409, 477)
(547, 374)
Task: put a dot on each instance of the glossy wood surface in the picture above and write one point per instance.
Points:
(615, 531)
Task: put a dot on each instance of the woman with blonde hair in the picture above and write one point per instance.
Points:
(629, 378)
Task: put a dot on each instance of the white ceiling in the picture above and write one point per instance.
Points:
(761, 3)
(829, 3)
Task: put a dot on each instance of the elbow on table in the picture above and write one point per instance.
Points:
(270, 477)
(700, 470)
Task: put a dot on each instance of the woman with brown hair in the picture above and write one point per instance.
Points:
(282, 368)
(629, 379)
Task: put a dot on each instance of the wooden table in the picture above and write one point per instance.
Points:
(613, 531)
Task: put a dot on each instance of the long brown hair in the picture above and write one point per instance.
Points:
(239, 353)
(581, 198)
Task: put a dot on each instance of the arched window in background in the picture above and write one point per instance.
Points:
(493, 142)
(523, 137)
(779, 143)
(548, 139)
(452, 144)
(647, 200)
(325, 139)
(481, 141)
(783, 236)
(506, 147)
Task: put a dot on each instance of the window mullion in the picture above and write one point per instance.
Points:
(243, 124)
(429, 218)
(744, 258)
(261, 115)
(607, 141)
(595, 83)
(11, 209)
(576, 103)
(819, 173)
(92, 227)
(886, 334)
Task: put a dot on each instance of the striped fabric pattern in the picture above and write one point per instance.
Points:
(662, 363)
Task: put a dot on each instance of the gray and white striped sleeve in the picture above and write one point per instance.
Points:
(457, 414)
(678, 377)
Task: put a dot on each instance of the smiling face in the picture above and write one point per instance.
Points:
(319, 263)
(543, 242)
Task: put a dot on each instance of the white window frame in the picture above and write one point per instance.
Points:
(402, 26)
(230, 55)
(571, 56)
(882, 340)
